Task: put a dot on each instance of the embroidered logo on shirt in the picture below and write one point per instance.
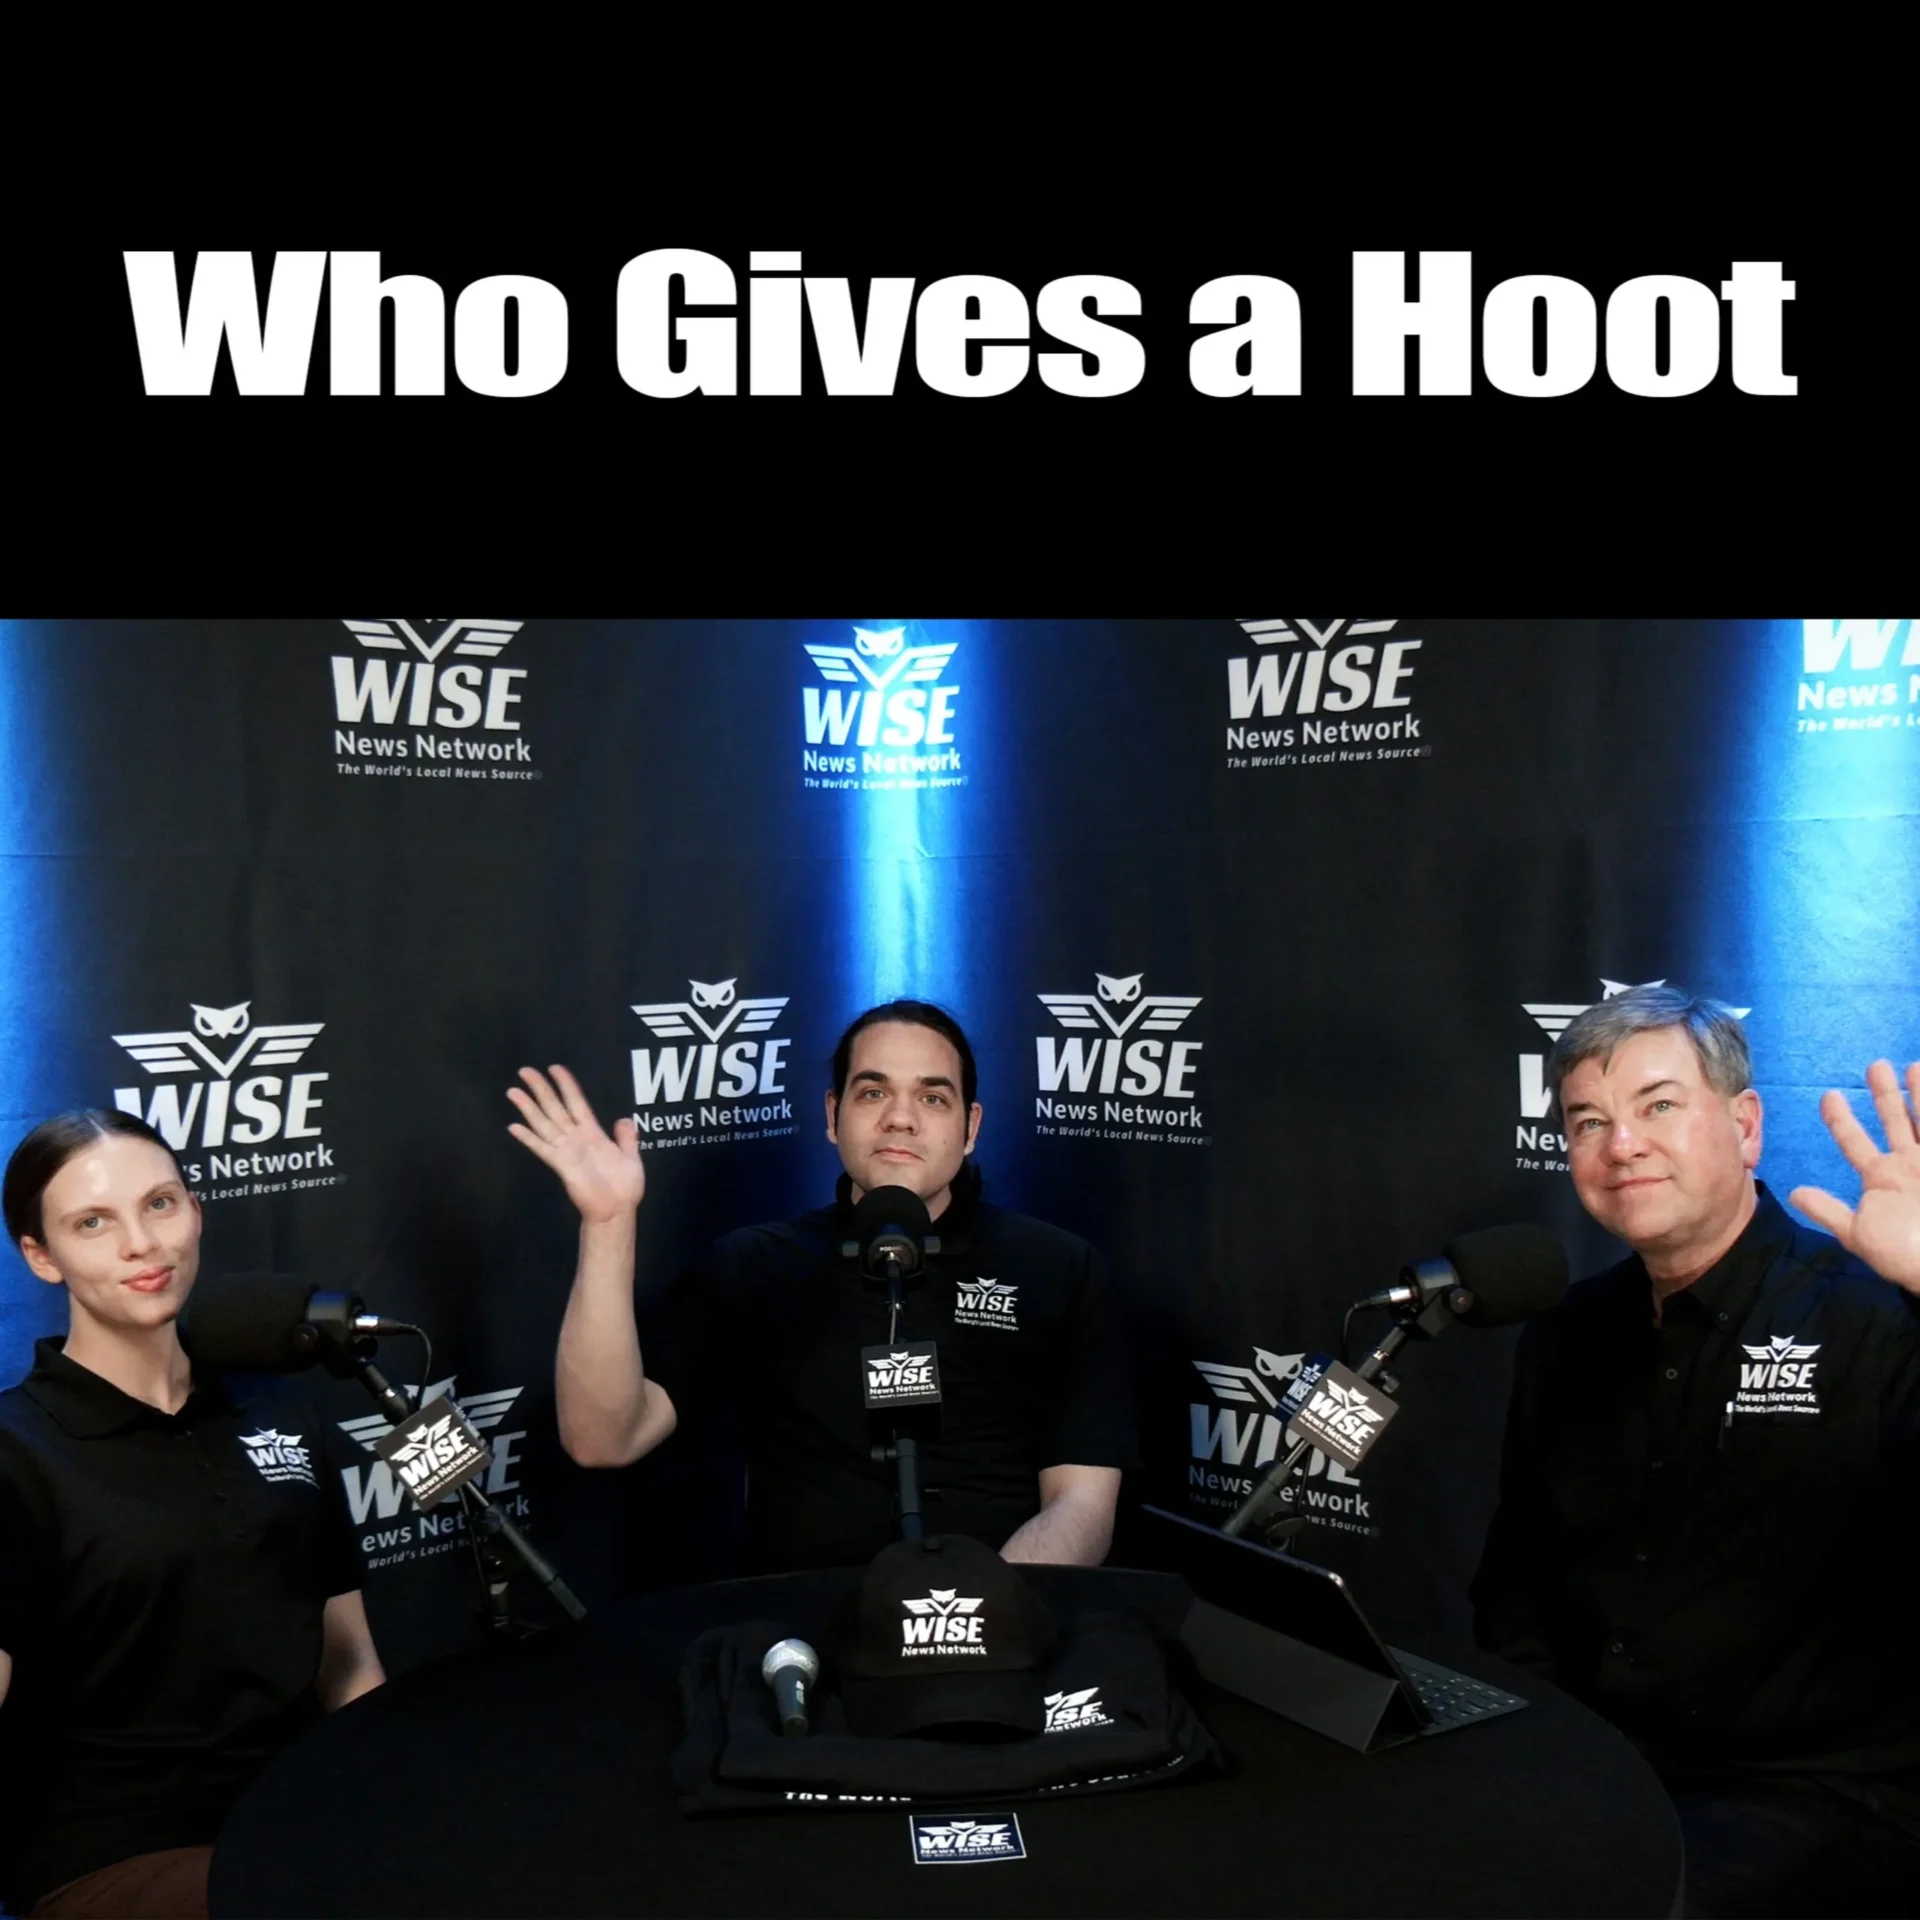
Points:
(946, 1621)
(1778, 1378)
(1065, 1711)
(279, 1456)
(986, 1303)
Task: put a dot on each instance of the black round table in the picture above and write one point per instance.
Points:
(534, 1780)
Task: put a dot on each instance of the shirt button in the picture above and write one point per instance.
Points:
(1619, 1646)
(1656, 1464)
(1673, 1373)
(1640, 1559)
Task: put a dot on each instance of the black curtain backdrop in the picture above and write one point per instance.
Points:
(1324, 885)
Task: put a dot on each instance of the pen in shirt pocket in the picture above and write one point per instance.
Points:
(1726, 1426)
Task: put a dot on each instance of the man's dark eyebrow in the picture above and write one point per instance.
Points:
(867, 1073)
(936, 1080)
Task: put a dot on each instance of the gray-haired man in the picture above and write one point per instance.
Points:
(1711, 1470)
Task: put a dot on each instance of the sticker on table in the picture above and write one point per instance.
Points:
(942, 1840)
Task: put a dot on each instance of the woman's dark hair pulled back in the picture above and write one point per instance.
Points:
(48, 1148)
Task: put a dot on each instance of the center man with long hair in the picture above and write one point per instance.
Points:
(1037, 1422)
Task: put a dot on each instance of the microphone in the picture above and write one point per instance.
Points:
(277, 1323)
(1489, 1278)
(901, 1380)
(891, 1233)
(790, 1668)
(272, 1322)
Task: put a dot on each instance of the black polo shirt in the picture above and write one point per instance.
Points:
(1033, 1374)
(1705, 1527)
(162, 1578)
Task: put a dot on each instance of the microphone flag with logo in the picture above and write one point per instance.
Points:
(435, 1451)
(1330, 1406)
(907, 1375)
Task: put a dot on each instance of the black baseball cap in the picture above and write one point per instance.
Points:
(942, 1633)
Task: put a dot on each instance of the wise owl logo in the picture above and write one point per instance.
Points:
(393, 1532)
(1340, 1415)
(940, 1841)
(1858, 676)
(1067, 1712)
(946, 1621)
(1777, 1376)
(1306, 693)
(222, 1092)
(881, 715)
(430, 700)
(981, 1302)
(279, 1456)
(1114, 1070)
(714, 1070)
(1238, 1432)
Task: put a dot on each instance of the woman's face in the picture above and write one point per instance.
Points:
(121, 1230)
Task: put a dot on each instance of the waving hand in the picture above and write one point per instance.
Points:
(601, 1172)
(1884, 1229)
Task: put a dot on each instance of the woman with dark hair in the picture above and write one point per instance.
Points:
(179, 1586)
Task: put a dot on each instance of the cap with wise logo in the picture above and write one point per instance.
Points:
(942, 1633)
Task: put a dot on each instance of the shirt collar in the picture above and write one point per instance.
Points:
(1726, 1290)
(89, 1406)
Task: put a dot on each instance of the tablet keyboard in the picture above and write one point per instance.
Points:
(1452, 1698)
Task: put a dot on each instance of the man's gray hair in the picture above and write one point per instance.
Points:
(1726, 1062)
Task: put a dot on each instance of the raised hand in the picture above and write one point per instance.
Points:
(602, 1173)
(1884, 1229)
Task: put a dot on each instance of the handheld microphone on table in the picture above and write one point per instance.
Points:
(790, 1668)
(1490, 1278)
(277, 1323)
(892, 1235)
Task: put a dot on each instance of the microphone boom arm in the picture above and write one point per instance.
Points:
(1433, 1319)
(492, 1534)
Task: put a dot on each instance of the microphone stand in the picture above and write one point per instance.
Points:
(1432, 1320)
(901, 1448)
(493, 1537)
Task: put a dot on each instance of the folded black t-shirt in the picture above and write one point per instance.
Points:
(1115, 1721)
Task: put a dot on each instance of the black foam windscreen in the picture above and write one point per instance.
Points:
(1512, 1273)
(249, 1323)
(891, 1207)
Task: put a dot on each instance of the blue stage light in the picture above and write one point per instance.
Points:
(31, 1005)
(22, 873)
(1825, 865)
(915, 714)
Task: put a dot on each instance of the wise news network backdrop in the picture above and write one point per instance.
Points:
(1261, 928)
